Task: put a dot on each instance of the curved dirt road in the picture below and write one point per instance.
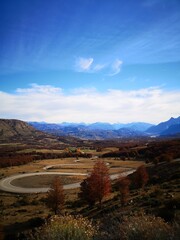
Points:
(5, 184)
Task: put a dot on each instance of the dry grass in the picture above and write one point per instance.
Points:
(44, 180)
(37, 166)
(109, 149)
(127, 163)
(21, 208)
(40, 150)
(66, 227)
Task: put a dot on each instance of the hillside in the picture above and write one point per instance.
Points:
(12, 130)
(162, 127)
(172, 130)
(17, 131)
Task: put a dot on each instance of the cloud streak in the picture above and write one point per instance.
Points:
(116, 67)
(47, 103)
(83, 64)
(88, 65)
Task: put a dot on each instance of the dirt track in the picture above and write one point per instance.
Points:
(6, 183)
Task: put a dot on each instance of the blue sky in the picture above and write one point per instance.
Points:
(90, 60)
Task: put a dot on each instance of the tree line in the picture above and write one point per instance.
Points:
(159, 151)
(16, 159)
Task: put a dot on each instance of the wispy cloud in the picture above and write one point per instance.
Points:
(83, 64)
(89, 65)
(51, 104)
(99, 67)
(116, 67)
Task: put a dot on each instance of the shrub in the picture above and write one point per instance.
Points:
(65, 228)
(24, 201)
(145, 227)
(36, 221)
(2, 208)
(165, 158)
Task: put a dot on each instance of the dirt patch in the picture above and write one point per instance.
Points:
(43, 181)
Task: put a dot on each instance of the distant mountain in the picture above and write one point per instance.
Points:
(100, 130)
(164, 127)
(100, 126)
(139, 126)
(136, 126)
(172, 130)
(128, 132)
(47, 127)
(95, 131)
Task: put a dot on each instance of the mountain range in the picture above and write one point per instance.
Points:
(100, 131)
(16, 130)
(94, 131)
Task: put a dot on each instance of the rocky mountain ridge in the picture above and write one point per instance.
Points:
(100, 131)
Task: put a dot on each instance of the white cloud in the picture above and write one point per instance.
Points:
(98, 67)
(35, 88)
(116, 67)
(48, 103)
(89, 65)
(83, 64)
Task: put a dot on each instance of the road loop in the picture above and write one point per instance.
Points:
(6, 183)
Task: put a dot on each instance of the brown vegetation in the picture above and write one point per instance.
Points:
(13, 158)
(124, 184)
(141, 177)
(155, 151)
(97, 185)
(55, 196)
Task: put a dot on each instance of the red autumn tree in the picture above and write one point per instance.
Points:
(100, 180)
(124, 183)
(141, 176)
(55, 196)
(97, 185)
(86, 193)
